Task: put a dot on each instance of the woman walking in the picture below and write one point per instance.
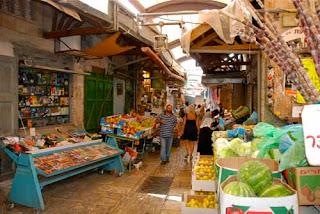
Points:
(190, 129)
(205, 142)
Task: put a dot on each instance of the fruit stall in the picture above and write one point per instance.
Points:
(132, 129)
(277, 153)
(38, 167)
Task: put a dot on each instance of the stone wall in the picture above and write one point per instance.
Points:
(25, 38)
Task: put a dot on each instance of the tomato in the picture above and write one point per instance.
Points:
(234, 210)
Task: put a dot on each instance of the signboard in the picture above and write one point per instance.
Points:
(311, 131)
(293, 34)
(308, 64)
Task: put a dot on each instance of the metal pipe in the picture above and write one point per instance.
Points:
(224, 51)
(191, 12)
(162, 23)
(169, 13)
(161, 64)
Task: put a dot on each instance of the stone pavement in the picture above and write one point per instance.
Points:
(95, 193)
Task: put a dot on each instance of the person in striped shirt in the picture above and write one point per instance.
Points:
(168, 121)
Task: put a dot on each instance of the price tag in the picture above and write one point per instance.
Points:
(311, 130)
(32, 132)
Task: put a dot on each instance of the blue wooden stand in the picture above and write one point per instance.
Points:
(27, 185)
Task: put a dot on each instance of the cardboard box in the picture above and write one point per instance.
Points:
(226, 167)
(197, 158)
(306, 180)
(202, 185)
(194, 210)
(256, 205)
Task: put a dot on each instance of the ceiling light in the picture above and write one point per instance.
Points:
(231, 55)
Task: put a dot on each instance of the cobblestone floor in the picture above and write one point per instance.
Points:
(95, 193)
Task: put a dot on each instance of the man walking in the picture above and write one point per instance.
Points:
(167, 123)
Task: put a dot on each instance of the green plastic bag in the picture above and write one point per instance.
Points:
(295, 156)
(263, 129)
(274, 137)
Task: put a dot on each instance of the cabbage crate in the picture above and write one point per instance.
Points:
(195, 210)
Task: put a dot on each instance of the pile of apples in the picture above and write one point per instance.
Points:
(132, 128)
(113, 120)
(207, 202)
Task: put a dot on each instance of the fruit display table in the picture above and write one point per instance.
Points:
(36, 169)
(112, 139)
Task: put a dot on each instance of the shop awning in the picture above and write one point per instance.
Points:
(108, 47)
(64, 9)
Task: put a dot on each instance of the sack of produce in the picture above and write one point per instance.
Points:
(263, 129)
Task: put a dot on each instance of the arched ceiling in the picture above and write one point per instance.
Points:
(185, 5)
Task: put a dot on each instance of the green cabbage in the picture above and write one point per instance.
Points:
(240, 147)
(224, 152)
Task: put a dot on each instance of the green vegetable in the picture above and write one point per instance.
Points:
(276, 190)
(238, 188)
(241, 148)
(256, 174)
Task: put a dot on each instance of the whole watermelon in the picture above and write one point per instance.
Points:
(256, 174)
(276, 190)
(238, 188)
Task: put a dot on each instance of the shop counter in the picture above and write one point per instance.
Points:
(36, 169)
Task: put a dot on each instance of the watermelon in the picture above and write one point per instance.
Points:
(276, 190)
(238, 188)
(256, 174)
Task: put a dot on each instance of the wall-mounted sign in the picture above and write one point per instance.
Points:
(308, 65)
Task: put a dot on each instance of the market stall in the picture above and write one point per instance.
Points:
(121, 129)
(41, 167)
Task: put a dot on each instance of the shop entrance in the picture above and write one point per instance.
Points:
(98, 101)
(8, 110)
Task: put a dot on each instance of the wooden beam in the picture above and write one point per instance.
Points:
(61, 22)
(76, 25)
(174, 44)
(68, 24)
(199, 31)
(184, 58)
(138, 6)
(217, 40)
(75, 32)
(54, 20)
(225, 74)
(205, 40)
(224, 63)
(229, 47)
